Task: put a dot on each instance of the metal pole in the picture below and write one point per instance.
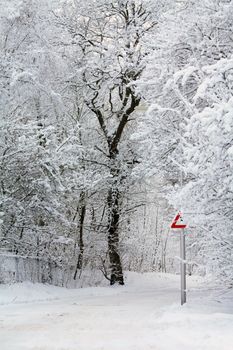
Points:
(183, 267)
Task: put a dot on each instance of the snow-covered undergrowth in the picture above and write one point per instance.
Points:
(27, 292)
(145, 314)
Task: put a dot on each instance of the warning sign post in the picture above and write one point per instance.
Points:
(178, 224)
(183, 267)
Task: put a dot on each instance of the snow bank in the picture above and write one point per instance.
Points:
(26, 292)
(145, 314)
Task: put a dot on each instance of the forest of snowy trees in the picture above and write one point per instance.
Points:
(114, 115)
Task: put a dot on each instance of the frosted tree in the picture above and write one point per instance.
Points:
(208, 157)
(33, 132)
(194, 81)
(111, 37)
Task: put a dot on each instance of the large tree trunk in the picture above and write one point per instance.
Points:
(113, 238)
(82, 213)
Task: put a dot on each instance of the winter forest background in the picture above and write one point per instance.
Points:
(114, 115)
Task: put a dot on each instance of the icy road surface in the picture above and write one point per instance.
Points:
(143, 315)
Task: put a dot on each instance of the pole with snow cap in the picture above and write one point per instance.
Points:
(180, 225)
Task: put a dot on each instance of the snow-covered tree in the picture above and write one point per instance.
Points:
(69, 110)
(33, 131)
(194, 90)
(208, 157)
(112, 40)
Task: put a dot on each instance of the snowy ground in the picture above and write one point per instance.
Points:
(143, 315)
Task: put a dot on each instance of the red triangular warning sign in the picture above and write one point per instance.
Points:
(174, 222)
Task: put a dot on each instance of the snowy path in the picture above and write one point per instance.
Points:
(143, 315)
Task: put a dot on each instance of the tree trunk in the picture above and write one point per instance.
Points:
(113, 238)
(81, 226)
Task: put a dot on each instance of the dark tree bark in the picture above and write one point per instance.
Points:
(113, 238)
(82, 212)
(114, 194)
(131, 100)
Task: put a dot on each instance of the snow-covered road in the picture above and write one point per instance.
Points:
(143, 315)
